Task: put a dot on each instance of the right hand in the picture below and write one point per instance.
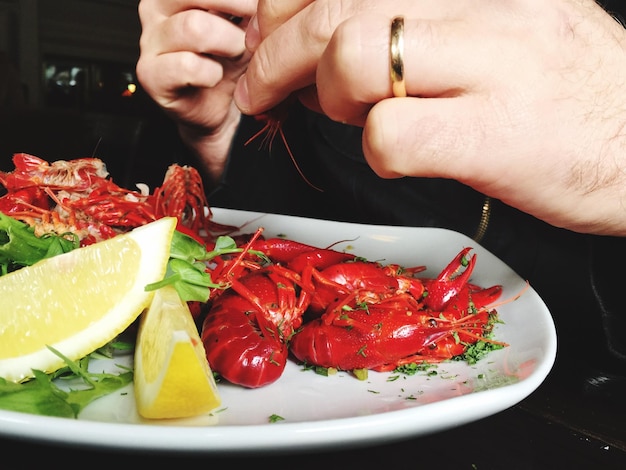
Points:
(523, 100)
(191, 56)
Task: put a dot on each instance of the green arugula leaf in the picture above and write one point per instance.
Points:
(38, 396)
(42, 396)
(19, 246)
(187, 269)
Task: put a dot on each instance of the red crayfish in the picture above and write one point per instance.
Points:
(372, 328)
(332, 309)
(78, 197)
(247, 330)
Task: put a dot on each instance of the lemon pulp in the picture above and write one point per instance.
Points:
(78, 301)
(173, 378)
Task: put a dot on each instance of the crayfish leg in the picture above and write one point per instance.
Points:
(274, 119)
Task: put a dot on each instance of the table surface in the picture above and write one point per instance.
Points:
(574, 420)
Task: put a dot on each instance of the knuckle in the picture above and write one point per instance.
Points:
(262, 69)
(186, 63)
(323, 17)
(191, 22)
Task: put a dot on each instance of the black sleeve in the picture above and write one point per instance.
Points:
(607, 261)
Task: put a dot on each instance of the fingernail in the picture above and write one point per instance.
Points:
(241, 97)
(253, 36)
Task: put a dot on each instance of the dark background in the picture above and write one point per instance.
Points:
(69, 114)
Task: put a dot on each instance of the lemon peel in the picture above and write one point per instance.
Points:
(79, 301)
(173, 378)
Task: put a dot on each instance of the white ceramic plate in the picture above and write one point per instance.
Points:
(323, 412)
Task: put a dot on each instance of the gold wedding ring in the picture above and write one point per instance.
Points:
(396, 49)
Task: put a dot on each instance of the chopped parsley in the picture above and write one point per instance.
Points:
(275, 418)
(475, 352)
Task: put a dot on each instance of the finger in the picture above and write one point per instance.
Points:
(177, 71)
(234, 9)
(270, 15)
(449, 58)
(357, 49)
(241, 8)
(201, 32)
(434, 137)
(360, 48)
(454, 138)
(286, 60)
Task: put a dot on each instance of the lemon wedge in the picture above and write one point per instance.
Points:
(79, 301)
(173, 378)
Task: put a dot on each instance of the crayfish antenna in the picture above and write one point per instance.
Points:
(273, 126)
(513, 298)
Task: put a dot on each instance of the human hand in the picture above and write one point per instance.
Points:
(285, 61)
(521, 100)
(191, 57)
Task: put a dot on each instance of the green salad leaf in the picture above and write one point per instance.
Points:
(42, 395)
(187, 269)
(19, 246)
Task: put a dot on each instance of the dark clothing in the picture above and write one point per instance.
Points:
(570, 271)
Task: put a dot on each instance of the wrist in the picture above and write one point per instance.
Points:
(211, 148)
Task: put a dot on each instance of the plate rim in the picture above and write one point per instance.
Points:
(292, 436)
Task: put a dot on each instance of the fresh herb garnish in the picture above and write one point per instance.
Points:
(187, 268)
(19, 246)
(275, 418)
(325, 371)
(477, 351)
(415, 367)
(42, 396)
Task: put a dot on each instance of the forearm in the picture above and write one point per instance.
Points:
(211, 149)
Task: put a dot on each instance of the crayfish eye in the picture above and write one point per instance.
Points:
(432, 322)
